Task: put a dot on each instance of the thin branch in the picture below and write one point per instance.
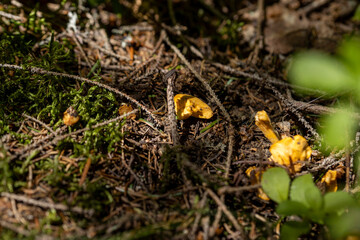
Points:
(170, 77)
(107, 52)
(15, 228)
(226, 212)
(22, 152)
(292, 109)
(47, 205)
(138, 69)
(39, 122)
(228, 189)
(258, 77)
(11, 16)
(35, 70)
(59, 138)
(77, 42)
(134, 175)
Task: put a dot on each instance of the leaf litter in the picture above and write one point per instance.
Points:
(112, 175)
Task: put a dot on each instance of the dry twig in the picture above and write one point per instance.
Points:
(47, 205)
(226, 212)
(40, 122)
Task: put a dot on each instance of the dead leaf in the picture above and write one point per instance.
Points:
(189, 106)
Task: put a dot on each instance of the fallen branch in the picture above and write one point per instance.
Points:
(47, 205)
(82, 79)
(226, 212)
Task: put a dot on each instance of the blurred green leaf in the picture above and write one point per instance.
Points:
(345, 225)
(337, 201)
(356, 16)
(350, 53)
(289, 207)
(303, 190)
(292, 230)
(320, 71)
(339, 128)
(276, 182)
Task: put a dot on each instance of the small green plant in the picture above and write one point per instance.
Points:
(339, 74)
(303, 199)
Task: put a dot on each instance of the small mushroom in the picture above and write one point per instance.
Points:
(262, 120)
(126, 109)
(331, 176)
(254, 174)
(289, 151)
(189, 106)
(330, 180)
(70, 116)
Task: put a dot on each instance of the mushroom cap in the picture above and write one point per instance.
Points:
(290, 150)
(330, 180)
(187, 106)
(70, 116)
(126, 109)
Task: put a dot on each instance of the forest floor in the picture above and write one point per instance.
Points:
(146, 174)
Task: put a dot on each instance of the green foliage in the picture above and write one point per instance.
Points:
(230, 32)
(357, 14)
(292, 229)
(307, 203)
(319, 71)
(20, 91)
(335, 201)
(46, 98)
(304, 191)
(276, 182)
(339, 127)
(344, 225)
(334, 75)
(339, 74)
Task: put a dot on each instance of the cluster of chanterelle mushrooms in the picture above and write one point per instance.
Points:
(291, 152)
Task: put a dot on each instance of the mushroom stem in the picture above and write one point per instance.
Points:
(262, 120)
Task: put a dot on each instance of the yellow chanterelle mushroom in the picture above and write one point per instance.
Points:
(330, 178)
(254, 174)
(289, 151)
(70, 116)
(189, 106)
(126, 109)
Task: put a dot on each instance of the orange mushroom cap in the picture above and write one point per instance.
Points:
(70, 116)
(189, 106)
(126, 109)
(290, 151)
(330, 180)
